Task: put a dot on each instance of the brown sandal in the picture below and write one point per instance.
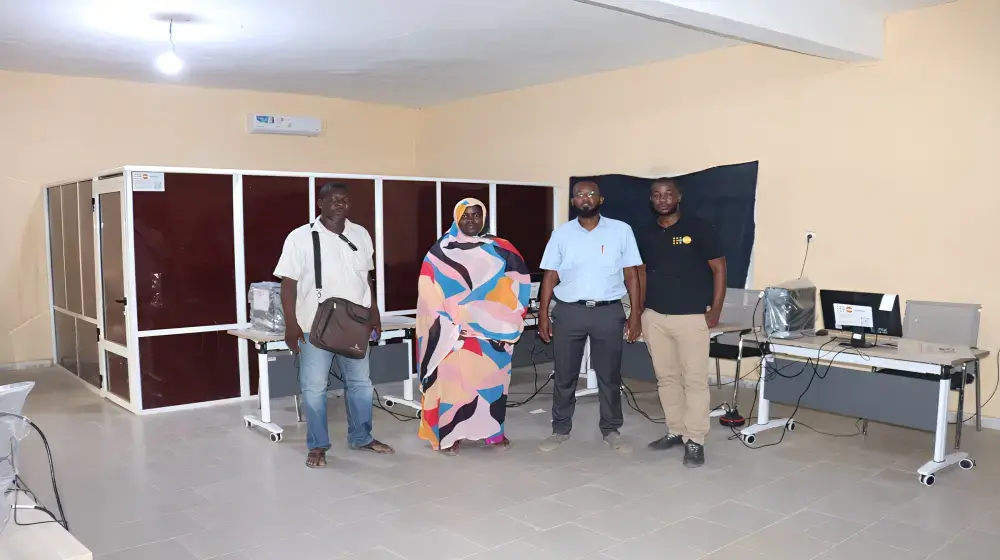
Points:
(453, 450)
(316, 459)
(377, 446)
(503, 445)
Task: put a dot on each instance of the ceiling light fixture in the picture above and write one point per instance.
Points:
(169, 63)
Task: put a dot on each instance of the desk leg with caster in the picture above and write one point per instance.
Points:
(408, 384)
(941, 461)
(764, 423)
(588, 372)
(264, 395)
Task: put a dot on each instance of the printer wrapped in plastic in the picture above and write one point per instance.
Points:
(266, 314)
(790, 307)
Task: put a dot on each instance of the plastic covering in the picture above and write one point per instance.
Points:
(265, 307)
(13, 429)
(790, 307)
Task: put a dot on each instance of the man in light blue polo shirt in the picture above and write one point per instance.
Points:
(590, 263)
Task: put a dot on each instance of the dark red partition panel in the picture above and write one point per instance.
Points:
(524, 217)
(184, 263)
(409, 216)
(71, 248)
(84, 195)
(452, 193)
(66, 341)
(188, 368)
(272, 208)
(362, 212)
(56, 247)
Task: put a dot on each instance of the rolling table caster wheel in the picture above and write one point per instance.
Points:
(275, 438)
(420, 414)
(389, 403)
(967, 464)
(248, 424)
(927, 479)
(791, 425)
(749, 439)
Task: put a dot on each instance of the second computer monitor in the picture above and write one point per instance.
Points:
(886, 319)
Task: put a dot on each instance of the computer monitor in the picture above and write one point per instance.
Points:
(861, 313)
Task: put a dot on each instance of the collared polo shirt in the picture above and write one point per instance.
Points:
(591, 263)
(345, 271)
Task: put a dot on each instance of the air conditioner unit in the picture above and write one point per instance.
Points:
(278, 124)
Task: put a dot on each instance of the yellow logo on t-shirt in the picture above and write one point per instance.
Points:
(685, 240)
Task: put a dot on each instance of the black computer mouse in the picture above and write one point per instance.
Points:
(822, 332)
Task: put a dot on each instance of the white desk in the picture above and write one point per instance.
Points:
(393, 326)
(48, 541)
(932, 360)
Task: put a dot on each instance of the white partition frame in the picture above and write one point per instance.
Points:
(47, 191)
(241, 284)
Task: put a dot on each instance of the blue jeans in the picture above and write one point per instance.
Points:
(314, 379)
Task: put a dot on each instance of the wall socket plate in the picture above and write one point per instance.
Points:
(810, 235)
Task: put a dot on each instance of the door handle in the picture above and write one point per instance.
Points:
(123, 301)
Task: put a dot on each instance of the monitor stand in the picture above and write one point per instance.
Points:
(858, 339)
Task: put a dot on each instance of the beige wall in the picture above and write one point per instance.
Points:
(57, 128)
(892, 164)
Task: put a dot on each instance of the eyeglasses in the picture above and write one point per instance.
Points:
(587, 194)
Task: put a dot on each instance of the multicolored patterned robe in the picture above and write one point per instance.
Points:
(473, 296)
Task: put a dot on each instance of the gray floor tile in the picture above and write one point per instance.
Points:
(197, 484)
(703, 535)
(434, 545)
(970, 545)
(784, 546)
(908, 537)
(299, 547)
(622, 523)
(989, 524)
(570, 541)
(736, 552)
(518, 550)
(112, 538)
(865, 502)
(654, 546)
(860, 547)
(740, 516)
(165, 550)
(590, 498)
(491, 531)
(544, 514)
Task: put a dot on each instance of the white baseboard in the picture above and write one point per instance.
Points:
(989, 422)
(34, 364)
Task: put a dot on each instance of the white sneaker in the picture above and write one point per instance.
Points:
(617, 443)
(552, 442)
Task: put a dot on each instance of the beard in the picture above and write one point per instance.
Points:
(589, 212)
(669, 212)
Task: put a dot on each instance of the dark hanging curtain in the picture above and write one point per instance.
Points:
(725, 196)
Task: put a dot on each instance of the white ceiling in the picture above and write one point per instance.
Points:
(404, 52)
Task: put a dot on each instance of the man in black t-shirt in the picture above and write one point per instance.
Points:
(683, 283)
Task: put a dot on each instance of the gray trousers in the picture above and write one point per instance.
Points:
(571, 325)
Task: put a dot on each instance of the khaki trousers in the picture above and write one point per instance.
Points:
(678, 346)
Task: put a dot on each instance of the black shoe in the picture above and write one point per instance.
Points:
(666, 442)
(694, 454)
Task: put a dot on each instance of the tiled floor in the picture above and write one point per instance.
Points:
(198, 485)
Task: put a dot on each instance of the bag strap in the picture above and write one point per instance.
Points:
(317, 263)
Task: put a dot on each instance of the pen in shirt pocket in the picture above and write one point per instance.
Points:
(602, 249)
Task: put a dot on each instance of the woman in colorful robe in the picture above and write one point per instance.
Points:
(473, 296)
